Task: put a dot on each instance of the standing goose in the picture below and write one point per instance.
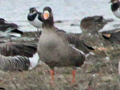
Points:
(9, 29)
(34, 18)
(18, 56)
(54, 50)
(115, 7)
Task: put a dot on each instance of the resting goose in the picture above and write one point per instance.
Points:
(90, 27)
(9, 29)
(93, 24)
(55, 50)
(18, 56)
(112, 36)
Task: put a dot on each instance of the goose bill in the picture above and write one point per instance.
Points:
(46, 15)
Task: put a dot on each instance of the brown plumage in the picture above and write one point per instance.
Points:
(14, 63)
(54, 49)
(9, 29)
(90, 27)
(18, 56)
(75, 40)
(112, 36)
(92, 24)
(15, 48)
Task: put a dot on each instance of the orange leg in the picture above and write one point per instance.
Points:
(73, 74)
(52, 75)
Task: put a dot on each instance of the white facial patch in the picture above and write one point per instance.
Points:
(46, 14)
(46, 11)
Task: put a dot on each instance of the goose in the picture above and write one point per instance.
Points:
(18, 56)
(90, 27)
(9, 29)
(93, 24)
(55, 50)
(113, 36)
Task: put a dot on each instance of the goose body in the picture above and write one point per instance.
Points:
(18, 62)
(90, 27)
(55, 50)
(9, 29)
(18, 56)
(62, 52)
(93, 24)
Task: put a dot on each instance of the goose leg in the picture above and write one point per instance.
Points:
(73, 75)
(52, 74)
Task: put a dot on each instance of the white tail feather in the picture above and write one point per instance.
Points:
(90, 53)
(34, 61)
(119, 67)
(77, 49)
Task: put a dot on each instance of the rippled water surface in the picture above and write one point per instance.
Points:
(69, 11)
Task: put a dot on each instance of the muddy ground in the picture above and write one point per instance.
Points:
(99, 72)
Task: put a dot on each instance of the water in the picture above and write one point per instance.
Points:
(70, 11)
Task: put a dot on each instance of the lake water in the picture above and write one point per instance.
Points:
(69, 11)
